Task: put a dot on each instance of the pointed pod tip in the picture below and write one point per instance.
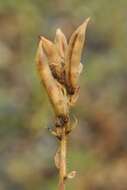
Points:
(46, 44)
(43, 38)
(85, 23)
(88, 19)
(82, 28)
(43, 41)
(58, 31)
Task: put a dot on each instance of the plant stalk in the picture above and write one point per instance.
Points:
(62, 169)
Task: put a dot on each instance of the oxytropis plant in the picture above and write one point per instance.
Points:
(59, 68)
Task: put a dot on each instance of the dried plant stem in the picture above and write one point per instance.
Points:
(62, 169)
(59, 67)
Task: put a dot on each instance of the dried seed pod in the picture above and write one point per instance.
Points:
(50, 50)
(73, 56)
(61, 43)
(54, 59)
(54, 90)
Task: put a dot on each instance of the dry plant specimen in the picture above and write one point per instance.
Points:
(59, 68)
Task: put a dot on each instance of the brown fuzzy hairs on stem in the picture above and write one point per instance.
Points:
(59, 68)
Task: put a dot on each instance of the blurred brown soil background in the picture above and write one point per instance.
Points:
(98, 146)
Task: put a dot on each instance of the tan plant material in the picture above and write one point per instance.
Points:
(59, 68)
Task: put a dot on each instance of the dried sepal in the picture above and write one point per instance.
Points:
(71, 125)
(61, 43)
(57, 158)
(54, 90)
(53, 131)
(71, 175)
(73, 98)
(73, 56)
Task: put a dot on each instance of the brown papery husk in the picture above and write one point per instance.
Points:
(57, 99)
(61, 42)
(50, 50)
(73, 55)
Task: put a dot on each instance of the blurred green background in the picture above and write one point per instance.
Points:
(98, 146)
